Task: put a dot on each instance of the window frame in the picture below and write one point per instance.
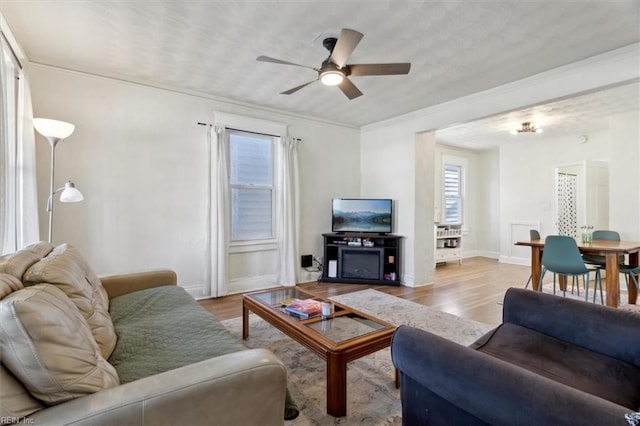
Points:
(460, 164)
(256, 244)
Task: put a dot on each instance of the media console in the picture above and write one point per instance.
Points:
(361, 258)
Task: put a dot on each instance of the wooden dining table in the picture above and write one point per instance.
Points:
(609, 249)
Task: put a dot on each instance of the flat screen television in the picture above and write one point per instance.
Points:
(362, 215)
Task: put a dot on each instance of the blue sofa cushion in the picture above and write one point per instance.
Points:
(575, 366)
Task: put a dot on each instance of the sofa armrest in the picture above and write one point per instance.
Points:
(117, 285)
(242, 388)
(609, 331)
(490, 389)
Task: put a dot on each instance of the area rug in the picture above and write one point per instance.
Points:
(624, 300)
(372, 398)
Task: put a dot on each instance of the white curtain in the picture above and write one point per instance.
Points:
(28, 229)
(18, 201)
(220, 224)
(287, 211)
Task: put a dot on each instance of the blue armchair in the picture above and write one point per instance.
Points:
(553, 361)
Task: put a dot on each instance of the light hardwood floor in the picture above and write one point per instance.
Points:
(472, 290)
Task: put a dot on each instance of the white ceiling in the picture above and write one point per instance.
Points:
(576, 116)
(209, 47)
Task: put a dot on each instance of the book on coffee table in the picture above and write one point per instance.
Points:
(304, 308)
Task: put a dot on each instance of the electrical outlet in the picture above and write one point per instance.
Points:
(306, 260)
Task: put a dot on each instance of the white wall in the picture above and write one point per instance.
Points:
(488, 210)
(527, 183)
(389, 175)
(424, 230)
(391, 164)
(140, 160)
(624, 175)
(597, 194)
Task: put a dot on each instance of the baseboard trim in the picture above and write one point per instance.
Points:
(195, 292)
(515, 260)
(245, 284)
(490, 254)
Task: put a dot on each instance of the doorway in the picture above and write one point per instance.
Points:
(582, 196)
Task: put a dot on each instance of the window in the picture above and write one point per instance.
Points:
(452, 190)
(251, 184)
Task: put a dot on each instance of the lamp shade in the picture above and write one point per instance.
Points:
(53, 128)
(70, 194)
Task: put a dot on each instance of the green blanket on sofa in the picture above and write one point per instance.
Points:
(163, 328)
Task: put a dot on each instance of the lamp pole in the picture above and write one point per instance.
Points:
(53, 141)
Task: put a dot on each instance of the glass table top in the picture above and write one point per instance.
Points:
(341, 326)
(278, 298)
(344, 327)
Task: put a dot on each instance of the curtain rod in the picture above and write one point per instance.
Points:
(248, 131)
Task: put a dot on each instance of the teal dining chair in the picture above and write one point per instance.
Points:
(562, 256)
(533, 235)
(631, 273)
(598, 260)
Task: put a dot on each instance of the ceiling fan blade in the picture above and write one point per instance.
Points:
(379, 69)
(349, 89)
(295, 89)
(280, 61)
(347, 42)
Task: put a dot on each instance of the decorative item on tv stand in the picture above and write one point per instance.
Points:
(448, 244)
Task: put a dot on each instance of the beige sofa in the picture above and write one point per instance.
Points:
(72, 350)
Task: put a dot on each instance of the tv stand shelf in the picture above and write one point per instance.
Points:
(361, 258)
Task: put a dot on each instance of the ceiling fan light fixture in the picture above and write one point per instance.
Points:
(331, 77)
(335, 70)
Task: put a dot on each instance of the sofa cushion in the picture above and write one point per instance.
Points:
(163, 328)
(8, 284)
(17, 263)
(15, 401)
(560, 361)
(47, 344)
(70, 272)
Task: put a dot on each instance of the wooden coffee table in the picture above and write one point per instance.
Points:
(341, 338)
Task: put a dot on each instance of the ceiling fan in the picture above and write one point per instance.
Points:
(335, 71)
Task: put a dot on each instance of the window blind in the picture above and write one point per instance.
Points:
(251, 185)
(452, 188)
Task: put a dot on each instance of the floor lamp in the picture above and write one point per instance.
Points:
(55, 131)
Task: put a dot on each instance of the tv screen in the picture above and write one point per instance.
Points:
(362, 215)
